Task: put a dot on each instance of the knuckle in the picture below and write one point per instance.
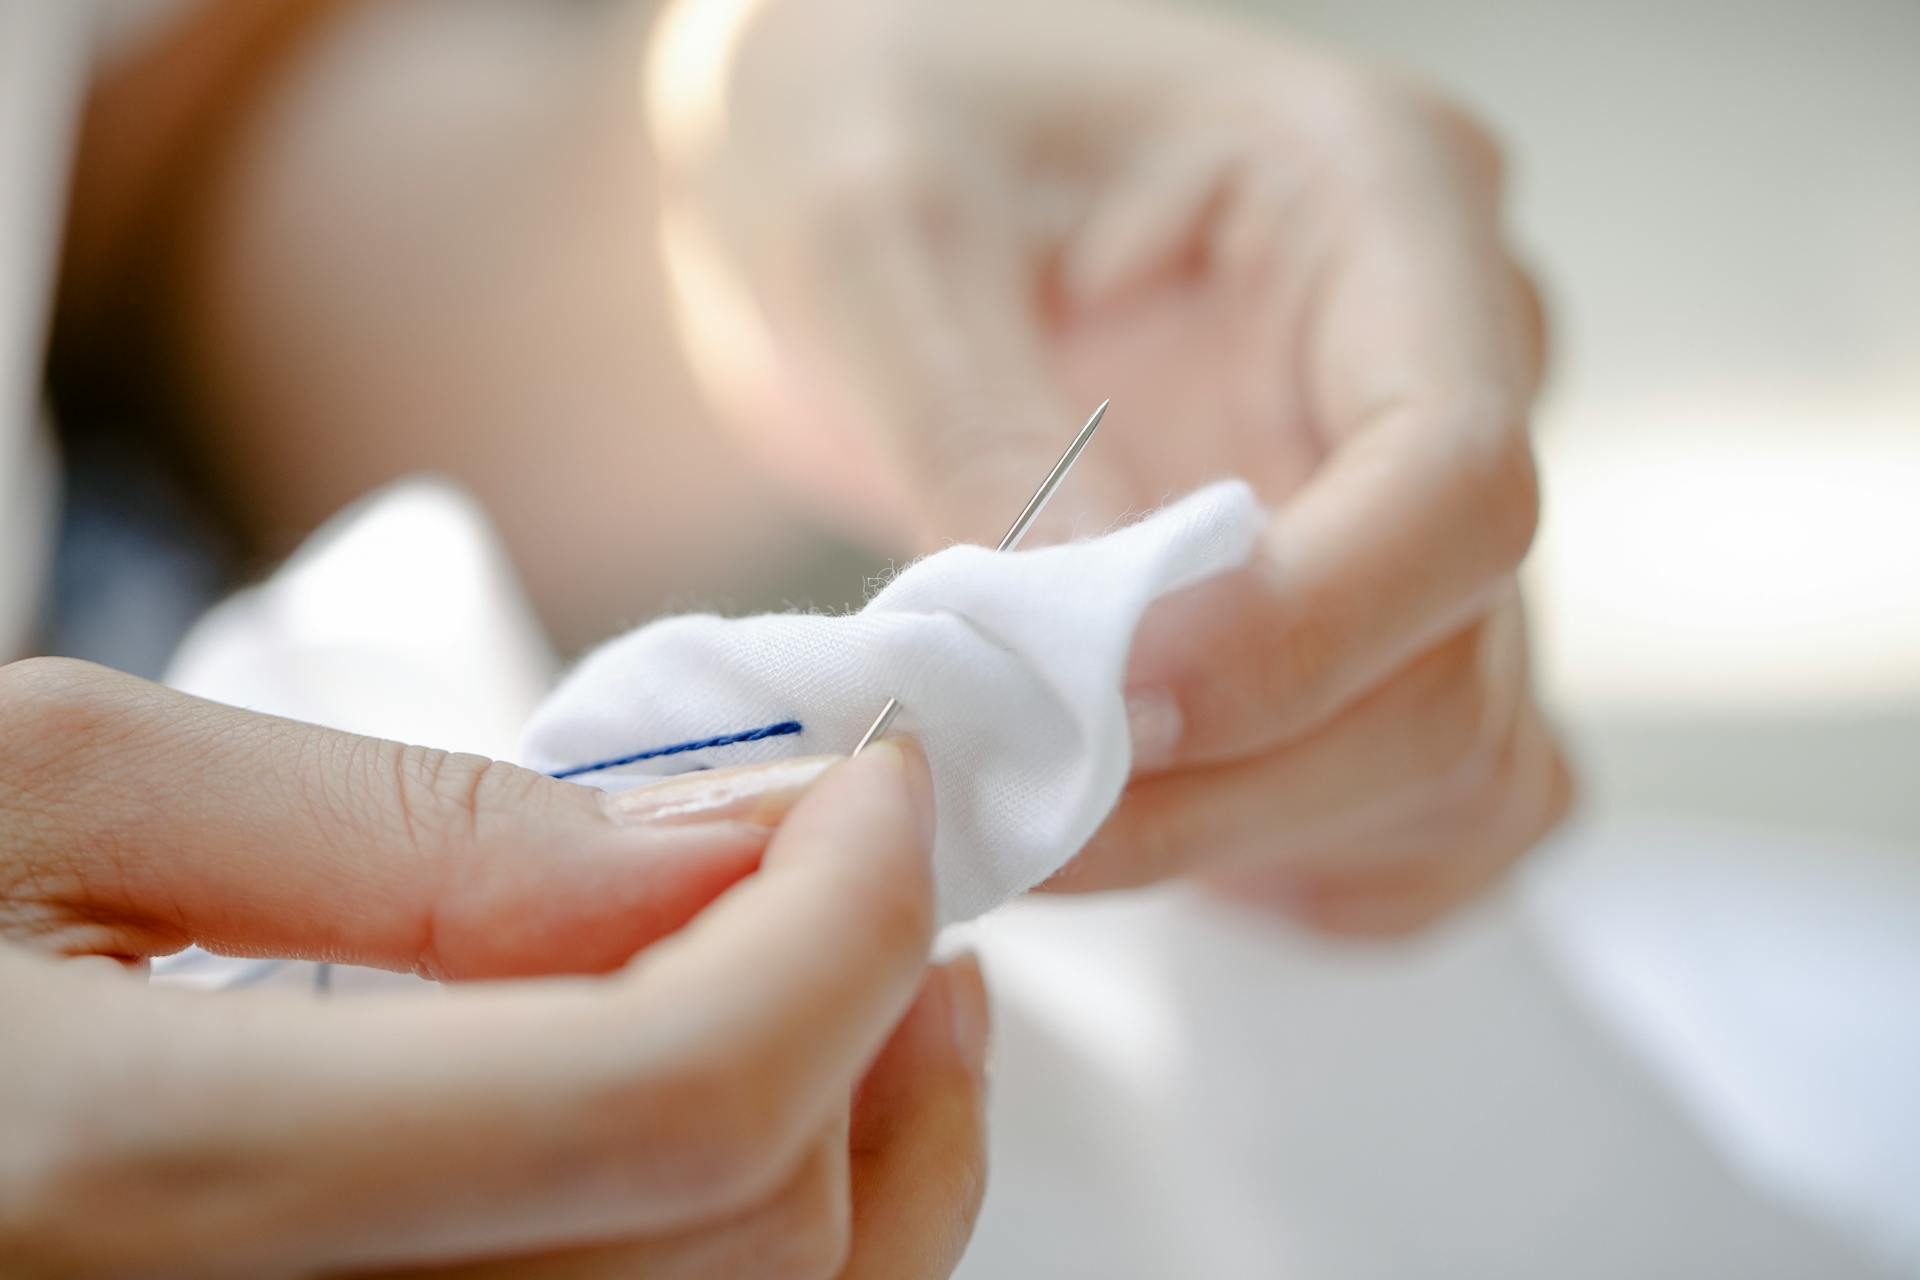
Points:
(1469, 718)
(442, 798)
(1540, 788)
(438, 807)
(1477, 791)
(1464, 701)
(1514, 498)
(1502, 488)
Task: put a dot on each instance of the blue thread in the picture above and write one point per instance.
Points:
(781, 730)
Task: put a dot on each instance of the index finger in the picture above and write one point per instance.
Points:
(1422, 356)
(491, 1118)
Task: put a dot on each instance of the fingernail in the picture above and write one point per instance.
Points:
(1154, 725)
(911, 764)
(756, 793)
(971, 1018)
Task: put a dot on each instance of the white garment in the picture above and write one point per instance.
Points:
(1009, 667)
(353, 634)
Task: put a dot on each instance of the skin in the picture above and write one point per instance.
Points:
(957, 227)
(876, 259)
(689, 1110)
(1279, 265)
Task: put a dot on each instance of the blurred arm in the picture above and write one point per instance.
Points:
(351, 241)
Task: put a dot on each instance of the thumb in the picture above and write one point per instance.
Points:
(937, 311)
(147, 819)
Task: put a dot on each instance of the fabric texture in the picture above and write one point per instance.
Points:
(1008, 667)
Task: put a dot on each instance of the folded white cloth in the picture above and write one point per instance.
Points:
(1008, 667)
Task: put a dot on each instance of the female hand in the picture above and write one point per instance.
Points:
(688, 1113)
(962, 225)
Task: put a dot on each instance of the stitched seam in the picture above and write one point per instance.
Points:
(783, 729)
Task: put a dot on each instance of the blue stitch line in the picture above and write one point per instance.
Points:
(781, 730)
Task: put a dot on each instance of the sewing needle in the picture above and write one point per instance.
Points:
(1031, 512)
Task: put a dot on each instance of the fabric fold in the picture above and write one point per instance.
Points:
(1008, 666)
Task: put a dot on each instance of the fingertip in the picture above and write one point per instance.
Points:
(917, 773)
(899, 764)
(862, 837)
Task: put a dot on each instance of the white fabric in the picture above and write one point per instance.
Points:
(1181, 1089)
(385, 622)
(1009, 668)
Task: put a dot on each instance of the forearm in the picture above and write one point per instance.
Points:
(423, 235)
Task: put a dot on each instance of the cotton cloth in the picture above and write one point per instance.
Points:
(1008, 666)
(1182, 1089)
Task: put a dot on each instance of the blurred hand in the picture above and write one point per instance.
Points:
(964, 225)
(687, 1115)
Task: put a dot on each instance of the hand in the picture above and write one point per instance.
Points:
(963, 225)
(688, 1114)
